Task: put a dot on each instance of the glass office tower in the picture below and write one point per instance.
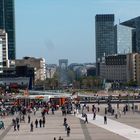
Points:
(134, 23)
(104, 32)
(123, 39)
(7, 22)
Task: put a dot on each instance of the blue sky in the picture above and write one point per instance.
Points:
(64, 29)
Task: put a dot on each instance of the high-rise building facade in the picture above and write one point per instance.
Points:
(1, 65)
(7, 22)
(104, 32)
(123, 39)
(134, 23)
(4, 37)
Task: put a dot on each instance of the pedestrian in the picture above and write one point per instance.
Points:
(66, 125)
(68, 131)
(29, 118)
(17, 120)
(18, 125)
(31, 127)
(124, 110)
(14, 121)
(40, 123)
(86, 119)
(65, 120)
(105, 119)
(23, 118)
(54, 138)
(14, 126)
(52, 110)
(36, 123)
(94, 116)
(43, 122)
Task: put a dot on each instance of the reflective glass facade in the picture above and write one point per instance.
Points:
(104, 31)
(7, 22)
(123, 39)
(134, 23)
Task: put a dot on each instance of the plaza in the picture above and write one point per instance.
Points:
(123, 128)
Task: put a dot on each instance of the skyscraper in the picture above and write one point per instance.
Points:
(134, 23)
(104, 32)
(7, 23)
(123, 39)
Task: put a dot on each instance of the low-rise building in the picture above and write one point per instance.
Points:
(113, 68)
(37, 63)
(121, 68)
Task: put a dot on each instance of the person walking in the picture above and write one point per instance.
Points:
(86, 119)
(40, 123)
(105, 119)
(65, 121)
(18, 125)
(29, 118)
(43, 122)
(14, 124)
(31, 127)
(52, 110)
(36, 123)
(17, 120)
(68, 131)
(94, 115)
(66, 125)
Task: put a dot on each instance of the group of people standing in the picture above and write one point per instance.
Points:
(38, 123)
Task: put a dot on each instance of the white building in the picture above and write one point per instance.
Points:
(4, 37)
(1, 61)
(50, 70)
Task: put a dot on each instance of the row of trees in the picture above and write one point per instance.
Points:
(77, 82)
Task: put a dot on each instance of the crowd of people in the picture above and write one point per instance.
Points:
(24, 113)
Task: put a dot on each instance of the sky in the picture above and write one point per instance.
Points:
(64, 29)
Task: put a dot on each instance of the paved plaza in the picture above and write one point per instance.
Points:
(124, 128)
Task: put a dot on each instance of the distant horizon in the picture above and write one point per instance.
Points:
(62, 29)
